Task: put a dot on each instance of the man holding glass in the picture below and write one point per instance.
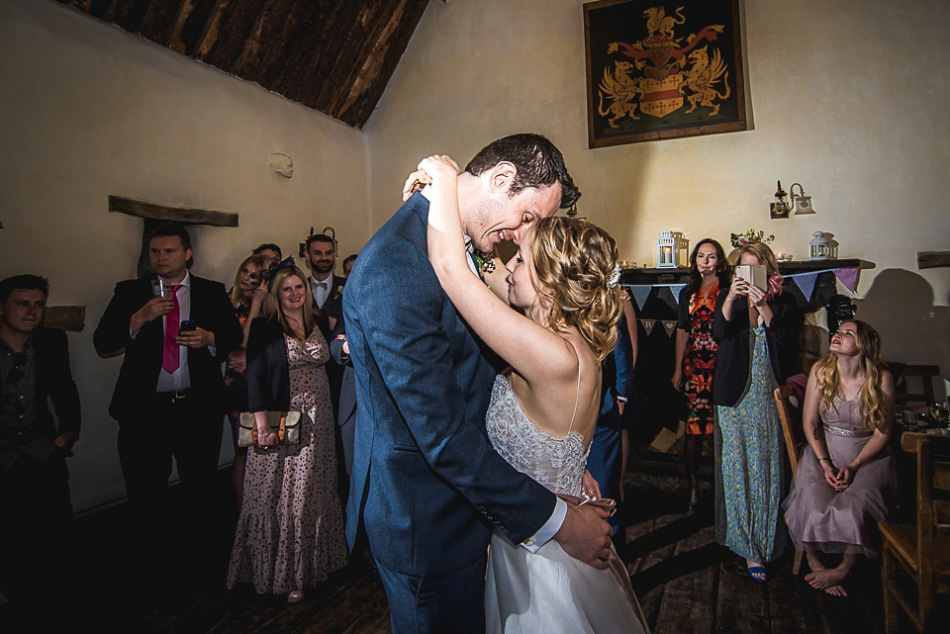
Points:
(175, 330)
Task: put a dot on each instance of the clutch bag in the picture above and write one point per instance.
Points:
(286, 424)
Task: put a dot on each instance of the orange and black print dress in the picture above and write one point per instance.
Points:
(699, 361)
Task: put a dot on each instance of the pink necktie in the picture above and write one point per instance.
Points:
(171, 358)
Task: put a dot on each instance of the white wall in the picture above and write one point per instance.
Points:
(88, 111)
(848, 98)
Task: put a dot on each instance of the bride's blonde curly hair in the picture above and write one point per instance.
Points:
(575, 264)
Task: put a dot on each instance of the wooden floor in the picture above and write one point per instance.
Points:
(685, 582)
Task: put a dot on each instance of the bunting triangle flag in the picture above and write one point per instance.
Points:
(806, 283)
(670, 327)
(848, 277)
(677, 290)
(640, 293)
(648, 325)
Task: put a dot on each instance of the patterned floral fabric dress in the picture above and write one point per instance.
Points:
(290, 531)
(749, 456)
(699, 363)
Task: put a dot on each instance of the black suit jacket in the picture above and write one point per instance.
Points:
(333, 307)
(732, 360)
(213, 311)
(54, 383)
(268, 371)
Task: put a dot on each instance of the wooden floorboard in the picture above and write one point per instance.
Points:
(684, 580)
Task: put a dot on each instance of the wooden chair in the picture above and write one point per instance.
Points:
(920, 551)
(794, 443)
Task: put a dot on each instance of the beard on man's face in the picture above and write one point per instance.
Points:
(321, 266)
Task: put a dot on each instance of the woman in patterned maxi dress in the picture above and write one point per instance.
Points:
(750, 324)
(290, 530)
(696, 351)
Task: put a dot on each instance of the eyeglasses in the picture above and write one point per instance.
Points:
(19, 362)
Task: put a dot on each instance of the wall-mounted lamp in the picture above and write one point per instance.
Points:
(780, 208)
(800, 202)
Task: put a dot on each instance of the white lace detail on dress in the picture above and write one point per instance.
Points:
(555, 462)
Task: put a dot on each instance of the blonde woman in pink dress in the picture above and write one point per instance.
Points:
(846, 480)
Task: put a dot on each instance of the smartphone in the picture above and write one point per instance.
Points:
(188, 325)
(754, 274)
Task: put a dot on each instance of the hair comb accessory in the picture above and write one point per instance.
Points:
(614, 280)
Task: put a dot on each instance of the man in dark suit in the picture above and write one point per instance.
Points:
(327, 288)
(34, 483)
(607, 459)
(169, 397)
(427, 487)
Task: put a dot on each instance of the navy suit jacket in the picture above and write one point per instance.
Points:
(427, 486)
(213, 311)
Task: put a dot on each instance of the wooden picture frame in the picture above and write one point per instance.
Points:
(663, 70)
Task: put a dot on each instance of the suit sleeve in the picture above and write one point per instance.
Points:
(403, 304)
(63, 392)
(112, 333)
(623, 356)
(258, 386)
(228, 334)
(722, 327)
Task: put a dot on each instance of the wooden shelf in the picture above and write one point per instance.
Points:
(653, 275)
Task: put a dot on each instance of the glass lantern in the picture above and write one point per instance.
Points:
(818, 247)
(672, 250)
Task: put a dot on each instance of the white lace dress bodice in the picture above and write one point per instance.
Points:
(548, 591)
(555, 462)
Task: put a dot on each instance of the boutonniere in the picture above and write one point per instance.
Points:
(484, 260)
(338, 293)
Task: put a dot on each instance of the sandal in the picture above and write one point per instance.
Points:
(757, 573)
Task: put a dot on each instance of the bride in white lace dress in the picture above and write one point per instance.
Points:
(544, 408)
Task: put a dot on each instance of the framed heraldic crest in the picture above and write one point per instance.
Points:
(663, 70)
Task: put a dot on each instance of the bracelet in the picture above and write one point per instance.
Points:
(828, 459)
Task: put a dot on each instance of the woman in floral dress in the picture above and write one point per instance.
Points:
(753, 327)
(696, 350)
(290, 530)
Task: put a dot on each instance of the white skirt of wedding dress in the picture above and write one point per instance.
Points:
(549, 592)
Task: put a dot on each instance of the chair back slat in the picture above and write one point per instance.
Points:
(791, 426)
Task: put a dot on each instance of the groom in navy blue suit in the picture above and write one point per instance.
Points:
(427, 488)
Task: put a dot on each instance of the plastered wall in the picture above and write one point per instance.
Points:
(88, 111)
(848, 98)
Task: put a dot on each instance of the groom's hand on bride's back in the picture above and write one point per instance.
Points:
(585, 535)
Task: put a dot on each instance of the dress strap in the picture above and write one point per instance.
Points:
(577, 393)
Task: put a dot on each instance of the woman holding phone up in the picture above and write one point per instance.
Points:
(753, 327)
